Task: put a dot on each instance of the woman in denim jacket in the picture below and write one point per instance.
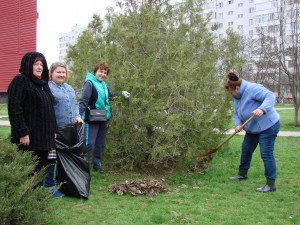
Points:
(65, 107)
(254, 99)
(65, 104)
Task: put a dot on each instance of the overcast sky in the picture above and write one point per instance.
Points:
(59, 16)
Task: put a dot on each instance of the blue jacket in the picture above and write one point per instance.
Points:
(95, 95)
(251, 97)
(65, 103)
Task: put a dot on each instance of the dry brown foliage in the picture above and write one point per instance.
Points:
(139, 187)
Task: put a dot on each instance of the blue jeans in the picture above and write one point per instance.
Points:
(50, 180)
(266, 141)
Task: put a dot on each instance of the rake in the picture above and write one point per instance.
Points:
(225, 141)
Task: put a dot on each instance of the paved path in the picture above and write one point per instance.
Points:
(281, 133)
(230, 131)
(4, 123)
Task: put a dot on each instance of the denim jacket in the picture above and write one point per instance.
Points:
(65, 103)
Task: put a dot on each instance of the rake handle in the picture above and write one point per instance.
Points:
(235, 132)
(226, 140)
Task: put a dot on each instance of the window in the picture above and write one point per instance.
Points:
(274, 16)
(230, 2)
(230, 12)
(291, 63)
(274, 3)
(220, 15)
(240, 27)
(230, 24)
(240, 15)
(240, 4)
(250, 32)
(295, 26)
(273, 28)
(220, 25)
(221, 5)
(263, 6)
(251, 10)
(250, 21)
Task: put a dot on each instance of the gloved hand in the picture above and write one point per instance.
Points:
(126, 94)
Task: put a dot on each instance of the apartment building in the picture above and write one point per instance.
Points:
(246, 16)
(69, 38)
(235, 14)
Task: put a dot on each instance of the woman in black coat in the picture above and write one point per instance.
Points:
(30, 108)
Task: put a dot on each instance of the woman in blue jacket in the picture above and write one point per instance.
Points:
(254, 99)
(95, 95)
(66, 113)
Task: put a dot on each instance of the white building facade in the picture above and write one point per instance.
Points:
(244, 16)
(69, 38)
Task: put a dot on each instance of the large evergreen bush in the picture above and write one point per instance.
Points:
(165, 56)
(21, 201)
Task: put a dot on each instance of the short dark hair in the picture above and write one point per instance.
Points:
(103, 66)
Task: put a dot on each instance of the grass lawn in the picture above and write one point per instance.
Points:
(4, 132)
(3, 110)
(195, 198)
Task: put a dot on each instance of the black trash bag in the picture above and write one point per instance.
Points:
(71, 138)
(73, 169)
(74, 174)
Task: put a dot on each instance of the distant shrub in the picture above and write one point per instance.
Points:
(22, 202)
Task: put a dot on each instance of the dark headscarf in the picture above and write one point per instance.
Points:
(26, 67)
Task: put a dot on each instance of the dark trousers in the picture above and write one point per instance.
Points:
(95, 140)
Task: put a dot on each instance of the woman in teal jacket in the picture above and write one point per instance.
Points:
(254, 99)
(95, 95)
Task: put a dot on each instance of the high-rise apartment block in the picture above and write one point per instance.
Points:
(69, 38)
(248, 16)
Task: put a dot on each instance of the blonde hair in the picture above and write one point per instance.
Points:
(55, 65)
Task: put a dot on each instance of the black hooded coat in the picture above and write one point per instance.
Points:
(30, 106)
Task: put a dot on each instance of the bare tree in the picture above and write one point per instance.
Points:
(288, 49)
(276, 57)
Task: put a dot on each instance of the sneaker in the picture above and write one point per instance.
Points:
(239, 177)
(58, 193)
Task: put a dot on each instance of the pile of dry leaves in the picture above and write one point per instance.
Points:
(139, 187)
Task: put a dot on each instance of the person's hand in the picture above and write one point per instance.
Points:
(79, 120)
(24, 140)
(238, 128)
(126, 94)
(258, 112)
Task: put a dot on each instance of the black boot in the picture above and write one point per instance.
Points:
(241, 176)
(270, 186)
